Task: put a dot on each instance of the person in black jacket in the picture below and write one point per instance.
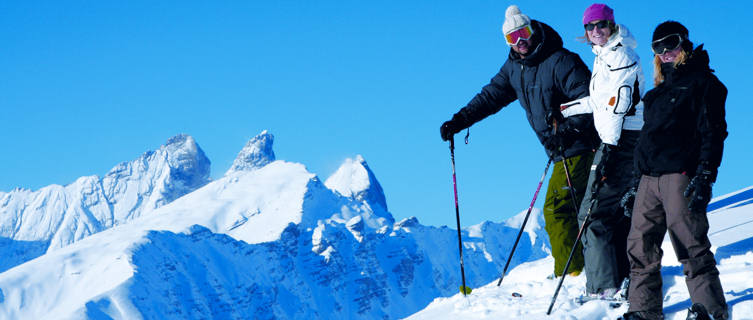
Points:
(678, 154)
(542, 75)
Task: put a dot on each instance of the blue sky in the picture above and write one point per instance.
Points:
(88, 84)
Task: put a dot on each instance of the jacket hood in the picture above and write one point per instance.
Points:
(699, 59)
(547, 42)
(621, 37)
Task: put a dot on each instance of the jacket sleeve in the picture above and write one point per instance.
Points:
(576, 107)
(572, 77)
(711, 123)
(492, 98)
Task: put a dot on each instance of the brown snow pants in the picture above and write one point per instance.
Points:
(660, 207)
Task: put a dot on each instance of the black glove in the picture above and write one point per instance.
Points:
(553, 116)
(699, 189)
(628, 199)
(450, 128)
(564, 137)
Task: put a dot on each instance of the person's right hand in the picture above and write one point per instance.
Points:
(699, 189)
(562, 138)
(450, 128)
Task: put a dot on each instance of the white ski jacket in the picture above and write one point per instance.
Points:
(615, 89)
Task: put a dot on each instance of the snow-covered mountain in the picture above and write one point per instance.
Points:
(268, 240)
(255, 154)
(154, 239)
(35, 222)
(730, 232)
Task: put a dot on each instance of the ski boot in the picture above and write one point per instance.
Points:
(640, 315)
(697, 312)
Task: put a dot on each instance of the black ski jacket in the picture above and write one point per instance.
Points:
(684, 120)
(550, 76)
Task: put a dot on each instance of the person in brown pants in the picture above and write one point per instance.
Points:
(678, 154)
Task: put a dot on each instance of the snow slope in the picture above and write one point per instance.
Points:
(269, 240)
(35, 222)
(731, 234)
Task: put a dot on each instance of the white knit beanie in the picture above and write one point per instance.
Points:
(514, 19)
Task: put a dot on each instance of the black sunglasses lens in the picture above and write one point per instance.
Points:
(667, 44)
(601, 24)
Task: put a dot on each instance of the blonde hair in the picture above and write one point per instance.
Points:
(658, 77)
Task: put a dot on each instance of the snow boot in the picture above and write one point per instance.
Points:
(697, 312)
(641, 315)
(608, 294)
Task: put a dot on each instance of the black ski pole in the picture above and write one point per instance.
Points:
(575, 245)
(463, 289)
(525, 220)
(573, 198)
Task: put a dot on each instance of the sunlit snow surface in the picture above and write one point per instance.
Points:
(731, 233)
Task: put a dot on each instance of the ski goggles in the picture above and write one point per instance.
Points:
(668, 43)
(522, 33)
(601, 24)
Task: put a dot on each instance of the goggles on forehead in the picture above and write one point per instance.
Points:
(523, 33)
(601, 24)
(668, 43)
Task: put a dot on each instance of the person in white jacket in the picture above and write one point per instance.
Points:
(615, 101)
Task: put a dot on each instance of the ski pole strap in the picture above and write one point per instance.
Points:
(467, 134)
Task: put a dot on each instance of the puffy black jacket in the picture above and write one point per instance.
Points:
(548, 77)
(684, 119)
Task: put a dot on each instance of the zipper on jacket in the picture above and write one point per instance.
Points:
(523, 87)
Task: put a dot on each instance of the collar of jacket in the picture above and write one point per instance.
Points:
(548, 41)
(698, 61)
(622, 37)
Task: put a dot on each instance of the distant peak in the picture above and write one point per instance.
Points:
(183, 153)
(180, 139)
(255, 154)
(355, 179)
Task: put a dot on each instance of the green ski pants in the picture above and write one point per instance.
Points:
(560, 213)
